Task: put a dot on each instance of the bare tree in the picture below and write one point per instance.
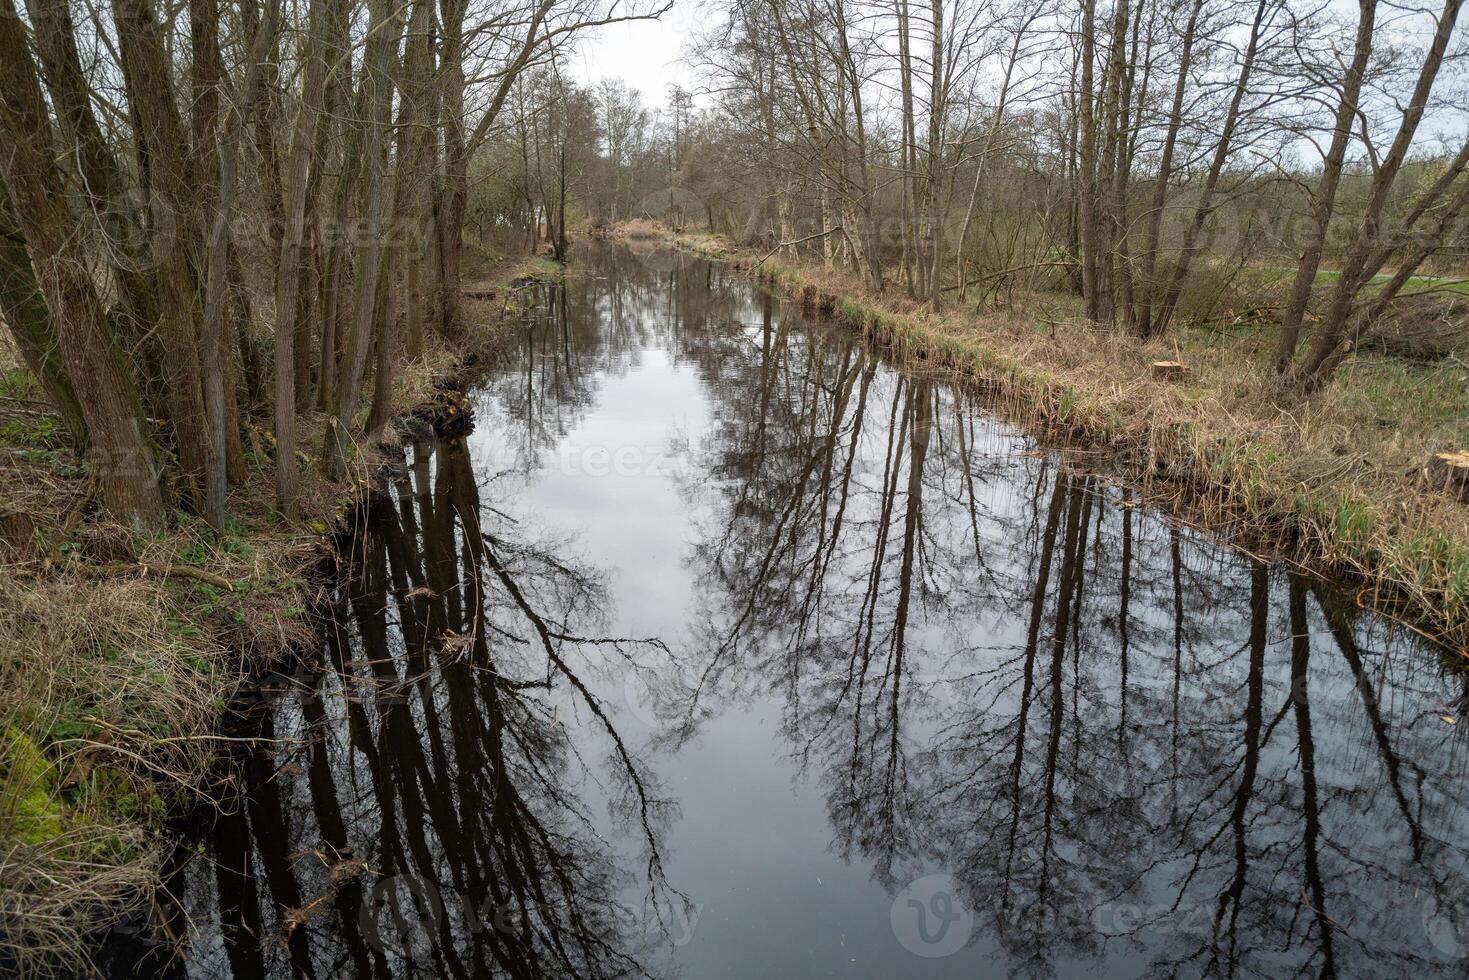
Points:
(122, 449)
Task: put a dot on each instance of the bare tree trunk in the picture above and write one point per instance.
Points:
(122, 453)
(871, 246)
(938, 98)
(458, 149)
(266, 121)
(1310, 261)
(1355, 272)
(174, 188)
(996, 121)
(385, 347)
(1211, 182)
(560, 248)
(827, 252)
(383, 42)
(267, 116)
(1091, 229)
(24, 309)
(1165, 173)
(215, 348)
(414, 171)
(329, 214)
(104, 184)
(912, 262)
(288, 270)
(1348, 335)
(1072, 183)
(454, 187)
(337, 264)
(1120, 274)
(206, 83)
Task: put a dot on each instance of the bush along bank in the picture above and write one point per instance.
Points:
(1338, 483)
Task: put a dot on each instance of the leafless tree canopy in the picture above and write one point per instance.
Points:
(219, 218)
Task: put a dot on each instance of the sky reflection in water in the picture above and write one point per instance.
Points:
(720, 648)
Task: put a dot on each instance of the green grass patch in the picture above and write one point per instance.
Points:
(1427, 401)
(34, 432)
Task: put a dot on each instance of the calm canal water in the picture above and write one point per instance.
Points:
(721, 648)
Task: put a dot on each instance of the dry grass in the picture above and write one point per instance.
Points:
(108, 705)
(1335, 483)
(636, 230)
(120, 651)
(115, 668)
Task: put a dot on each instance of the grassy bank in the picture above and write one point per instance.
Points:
(1336, 483)
(119, 652)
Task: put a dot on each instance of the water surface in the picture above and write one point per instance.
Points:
(721, 648)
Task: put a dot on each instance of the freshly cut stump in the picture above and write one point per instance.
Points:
(1169, 370)
(1449, 472)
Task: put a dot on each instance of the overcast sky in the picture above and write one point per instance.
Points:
(646, 54)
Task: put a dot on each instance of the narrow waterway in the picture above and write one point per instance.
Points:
(719, 647)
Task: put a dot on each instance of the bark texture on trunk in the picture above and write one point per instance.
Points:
(289, 273)
(24, 309)
(173, 199)
(122, 451)
(1310, 260)
(387, 27)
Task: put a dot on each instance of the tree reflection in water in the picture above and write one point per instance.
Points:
(1132, 748)
(425, 819)
(1138, 753)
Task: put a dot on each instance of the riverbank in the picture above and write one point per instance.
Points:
(119, 652)
(1338, 483)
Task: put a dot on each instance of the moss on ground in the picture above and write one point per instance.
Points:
(28, 804)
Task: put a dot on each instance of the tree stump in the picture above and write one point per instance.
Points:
(1449, 472)
(1169, 370)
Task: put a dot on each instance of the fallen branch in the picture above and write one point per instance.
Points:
(1009, 272)
(148, 570)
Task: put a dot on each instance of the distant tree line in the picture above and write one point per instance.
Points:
(1138, 154)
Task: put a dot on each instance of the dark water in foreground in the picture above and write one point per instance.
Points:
(720, 648)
